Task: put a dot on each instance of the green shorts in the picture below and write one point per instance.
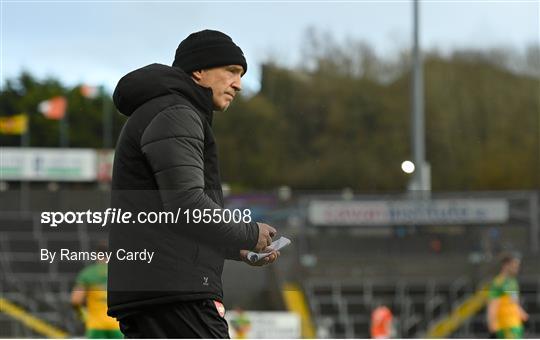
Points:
(510, 333)
(104, 334)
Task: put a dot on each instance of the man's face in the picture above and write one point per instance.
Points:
(512, 267)
(225, 82)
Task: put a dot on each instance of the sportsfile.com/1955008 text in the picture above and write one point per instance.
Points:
(113, 215)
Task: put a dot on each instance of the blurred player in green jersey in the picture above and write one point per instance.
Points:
(241, 324)
(91, 288)
(505, 315)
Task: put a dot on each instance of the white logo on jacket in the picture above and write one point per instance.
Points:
(205, 281)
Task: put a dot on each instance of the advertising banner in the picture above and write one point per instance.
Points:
(417, 212)
(47, 164)
(263, 325)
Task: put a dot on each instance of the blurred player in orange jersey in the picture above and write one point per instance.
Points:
(241, 324)
(505, 315)
(381, 323)
(90, 291)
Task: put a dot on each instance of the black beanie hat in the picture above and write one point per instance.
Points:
(207, 49)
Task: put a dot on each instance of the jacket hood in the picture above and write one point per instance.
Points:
(156, 80)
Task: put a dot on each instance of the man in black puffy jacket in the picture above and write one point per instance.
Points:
(166, 161)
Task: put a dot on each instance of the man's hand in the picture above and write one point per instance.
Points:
(266, 233)
(262, 262)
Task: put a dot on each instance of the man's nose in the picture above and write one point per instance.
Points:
(237, 84)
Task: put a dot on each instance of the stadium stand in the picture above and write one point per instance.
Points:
(345, 273)
(43, 289)
(416, 305)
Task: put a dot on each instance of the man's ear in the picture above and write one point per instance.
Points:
(197, 75)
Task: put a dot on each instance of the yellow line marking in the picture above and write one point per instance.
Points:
(296, 303)
(31, 321)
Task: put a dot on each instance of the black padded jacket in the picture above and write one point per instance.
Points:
(165, 160)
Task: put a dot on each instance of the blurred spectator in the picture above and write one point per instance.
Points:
(381, 323)
(435, 245)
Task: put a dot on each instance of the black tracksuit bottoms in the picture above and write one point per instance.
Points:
(191, 319)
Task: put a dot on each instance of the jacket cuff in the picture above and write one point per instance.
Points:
(253, 235)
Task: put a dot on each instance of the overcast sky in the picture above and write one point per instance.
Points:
(96, 42)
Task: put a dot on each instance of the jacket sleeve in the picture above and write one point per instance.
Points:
(233, 253)
(173, 145)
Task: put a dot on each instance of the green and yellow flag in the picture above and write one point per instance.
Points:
(14, 125)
